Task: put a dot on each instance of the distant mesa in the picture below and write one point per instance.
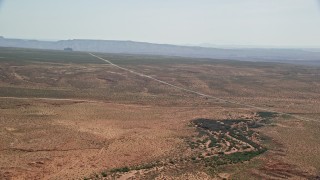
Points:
(68, 49)
(296, 56)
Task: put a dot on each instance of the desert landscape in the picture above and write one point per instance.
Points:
(70, 115)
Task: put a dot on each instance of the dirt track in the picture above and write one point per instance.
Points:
(74, 120)
(206, 95)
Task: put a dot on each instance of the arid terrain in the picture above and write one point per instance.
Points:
(69, 115)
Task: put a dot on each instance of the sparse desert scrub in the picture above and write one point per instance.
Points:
(112, 119)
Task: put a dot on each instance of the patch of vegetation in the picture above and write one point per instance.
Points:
(285, 116)
(104, 174)
(213, 142)
(237, 129)
(241, 156)
(121, 170)
(228, 141)
(265, 114)
(213, 162)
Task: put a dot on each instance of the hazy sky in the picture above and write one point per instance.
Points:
(220, 22)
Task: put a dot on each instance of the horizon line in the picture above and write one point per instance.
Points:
(202, 45)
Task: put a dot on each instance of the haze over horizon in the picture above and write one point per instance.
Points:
(273, 23)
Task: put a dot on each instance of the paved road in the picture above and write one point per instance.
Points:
(205, 95)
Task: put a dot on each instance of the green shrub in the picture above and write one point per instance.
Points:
(124, 169)
(104, 174)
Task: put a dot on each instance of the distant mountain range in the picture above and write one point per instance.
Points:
(131, 47)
